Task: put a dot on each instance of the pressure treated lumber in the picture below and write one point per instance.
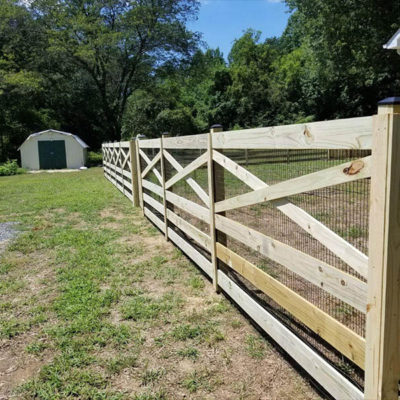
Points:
(151, 165)
(156, 189)
(382, 371)
(336, 175)
(211, 207)
(191, 252)
(339, 336)
(148, 161)
(190, 181)
(334, 281)
(198, 162)
(163, 177)
(134, 173)
(349, 133)
(189, 206)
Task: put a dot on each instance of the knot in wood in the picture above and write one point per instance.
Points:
(354, 168)
(307, 135)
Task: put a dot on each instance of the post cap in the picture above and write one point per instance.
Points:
(138, 137)
(165, 134)
(389, 101)
(216, 126)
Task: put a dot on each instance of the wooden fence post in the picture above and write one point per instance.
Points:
(163, 172)
(382, 368)
(139, 171)
(120, 167)
(214, 196)
(134, 172)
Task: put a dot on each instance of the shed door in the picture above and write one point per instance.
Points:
(52, 154)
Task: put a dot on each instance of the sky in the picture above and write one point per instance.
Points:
(223, 21)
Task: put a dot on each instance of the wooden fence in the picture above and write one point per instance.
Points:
(186, 188)
(120, 168)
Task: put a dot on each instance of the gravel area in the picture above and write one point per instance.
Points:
(7, 231)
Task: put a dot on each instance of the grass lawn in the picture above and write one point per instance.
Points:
(94, 304)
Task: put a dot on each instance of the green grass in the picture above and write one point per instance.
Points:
(92, 296)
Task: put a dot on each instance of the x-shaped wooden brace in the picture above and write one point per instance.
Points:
(277, 195)
(151, 165)
(184, 171)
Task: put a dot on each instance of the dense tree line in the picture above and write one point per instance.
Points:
(106, 69)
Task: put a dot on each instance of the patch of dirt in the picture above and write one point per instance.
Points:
(17, 366)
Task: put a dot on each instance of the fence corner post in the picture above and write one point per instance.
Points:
(163, 177)
(212, 193)
(139, 171)
(382, 365)
(134, 173)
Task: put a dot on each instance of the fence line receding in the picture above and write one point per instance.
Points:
(278, 218)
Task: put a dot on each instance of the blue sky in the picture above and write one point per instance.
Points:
(223, 21)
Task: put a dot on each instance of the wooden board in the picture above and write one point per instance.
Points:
(191, 252)
(189, 206)
(152, 187)
(148, 161)
(339, 336)
(317, 180)
(334, 281)
(191, 182)
(198, 162)
(350, 133)
(152, 164)
(186, 142)
(383, 316)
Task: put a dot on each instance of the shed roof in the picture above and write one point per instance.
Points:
(394, 41)
(77, 138)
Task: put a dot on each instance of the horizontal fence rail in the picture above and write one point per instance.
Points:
(278, 219)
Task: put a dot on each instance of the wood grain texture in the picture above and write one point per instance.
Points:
(305, 183)
(350, 133)
(383, 313)
(339, 336)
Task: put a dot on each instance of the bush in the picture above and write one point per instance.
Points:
(94, 159)
(9, 168)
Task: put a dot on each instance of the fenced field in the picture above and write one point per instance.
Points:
(293, 223)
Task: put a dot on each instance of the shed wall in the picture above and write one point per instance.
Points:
(74, 152)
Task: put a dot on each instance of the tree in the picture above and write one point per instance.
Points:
(345, 38)
(117, 43)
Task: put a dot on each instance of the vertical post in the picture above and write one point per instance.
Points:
(115, 162)
(212, 193)
(139, 171)
(163, 173)
(134, 172)
(120, 167)
(382, 368)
